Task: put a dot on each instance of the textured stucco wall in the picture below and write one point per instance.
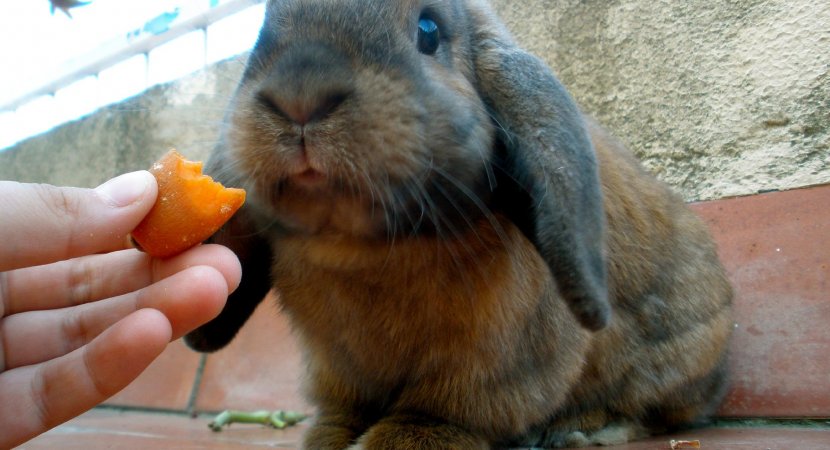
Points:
(718, 98)
(130, 135)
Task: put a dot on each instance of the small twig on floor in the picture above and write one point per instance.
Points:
(684, 444)
(275, 419)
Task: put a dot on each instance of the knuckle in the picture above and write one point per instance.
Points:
(59, 201)
(75, 331)
(63, 207)
(102, 387)
(41, 398)
(4, 298)
(82, 276)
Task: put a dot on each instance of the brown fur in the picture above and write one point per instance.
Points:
(416, 261)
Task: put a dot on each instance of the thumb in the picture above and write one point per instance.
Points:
(42, 223)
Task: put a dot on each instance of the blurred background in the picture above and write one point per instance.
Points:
(718, 99)
(61, 64)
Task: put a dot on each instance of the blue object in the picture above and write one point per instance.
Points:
(161, 23)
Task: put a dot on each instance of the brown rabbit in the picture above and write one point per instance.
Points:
(467, 261)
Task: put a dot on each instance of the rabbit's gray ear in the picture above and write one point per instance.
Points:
(550, 183)
(241, 235)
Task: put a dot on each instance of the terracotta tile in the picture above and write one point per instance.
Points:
(260, 368)
(100, 429)
(770, 438)
(776, 248)
(166, 384)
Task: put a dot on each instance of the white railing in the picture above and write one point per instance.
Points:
(145, 56)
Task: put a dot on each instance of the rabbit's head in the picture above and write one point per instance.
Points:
(363, 118)
(376, 119)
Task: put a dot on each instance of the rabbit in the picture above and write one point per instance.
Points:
(467, 260)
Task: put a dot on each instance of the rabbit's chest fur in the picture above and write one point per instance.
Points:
(442, 320)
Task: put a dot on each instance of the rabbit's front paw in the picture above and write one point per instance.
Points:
(418, 433)
(611, 434)
(334, 431)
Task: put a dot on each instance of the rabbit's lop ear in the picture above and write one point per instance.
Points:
(550, 183)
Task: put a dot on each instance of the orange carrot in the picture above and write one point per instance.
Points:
(190, 207)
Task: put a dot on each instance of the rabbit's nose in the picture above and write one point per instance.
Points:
(303, 111)
(307, 84)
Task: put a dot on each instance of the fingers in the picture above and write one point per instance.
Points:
(96, 277)
(188, 299)
(69, 222)
(36, 398)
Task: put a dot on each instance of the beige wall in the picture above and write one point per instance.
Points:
(718, 98)
(186, 114)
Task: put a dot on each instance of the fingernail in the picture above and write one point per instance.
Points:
(125, 189)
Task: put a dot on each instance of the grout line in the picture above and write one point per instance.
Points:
(197, 384)
(124, 409)
(143, 410)
(770, 422)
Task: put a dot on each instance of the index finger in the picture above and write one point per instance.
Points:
(40, 223)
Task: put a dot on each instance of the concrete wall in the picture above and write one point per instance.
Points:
(718, 98)
(186, 114)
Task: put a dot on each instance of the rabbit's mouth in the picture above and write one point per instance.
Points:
(304, 172)
(309, 178)
(312, 201)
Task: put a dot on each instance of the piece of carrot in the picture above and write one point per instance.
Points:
(190, 207)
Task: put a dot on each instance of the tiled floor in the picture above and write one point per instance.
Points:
(100, 429)
(775, 246)
(139, 431)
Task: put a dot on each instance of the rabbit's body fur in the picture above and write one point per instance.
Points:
(463, 270)
(449, 345)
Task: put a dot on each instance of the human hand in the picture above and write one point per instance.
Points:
(81, 315)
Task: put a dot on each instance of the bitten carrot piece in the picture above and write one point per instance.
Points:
(190, 207)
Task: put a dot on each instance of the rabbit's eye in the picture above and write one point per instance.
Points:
(428, 36)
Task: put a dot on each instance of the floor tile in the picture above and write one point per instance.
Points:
(166, 384)
(260, 368)
(99, 429)
(738, 439)
(776, 248)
